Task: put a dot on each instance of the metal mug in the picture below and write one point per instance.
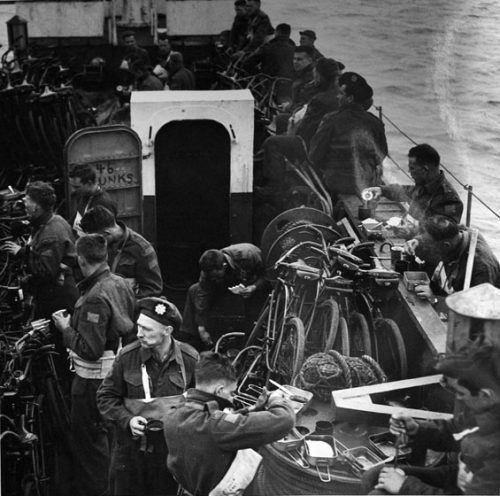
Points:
(397, 254)
(323, 427)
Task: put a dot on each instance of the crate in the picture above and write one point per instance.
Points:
(412, 279)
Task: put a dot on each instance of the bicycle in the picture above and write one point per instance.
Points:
(34, 407)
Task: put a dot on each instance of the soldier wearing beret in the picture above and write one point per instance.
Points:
(152, 368)
(307, 38)
(350, 145)
(431, 194)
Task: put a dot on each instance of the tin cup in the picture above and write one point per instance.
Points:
(323, 427)
(154, 431)
(396, 254)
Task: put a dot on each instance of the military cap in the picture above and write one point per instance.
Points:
(161, 310)
(356, 86)
(309, 33)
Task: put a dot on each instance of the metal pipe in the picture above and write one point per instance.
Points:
(468, 187)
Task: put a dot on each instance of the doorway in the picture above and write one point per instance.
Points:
(193, 168)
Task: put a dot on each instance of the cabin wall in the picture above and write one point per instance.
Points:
(151, 111)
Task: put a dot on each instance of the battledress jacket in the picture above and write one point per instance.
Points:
(103, 313)
(203, 439)
(349, 147)
(134, 258)
(51, 258)
(480, 451)
(435, 198)
(259, 27)
(125, 379)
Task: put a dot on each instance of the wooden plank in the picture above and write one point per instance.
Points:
(353, 405)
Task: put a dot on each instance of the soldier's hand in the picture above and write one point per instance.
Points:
(205, 337)
(261, 400)
(424, 292)
(403, 424)
(391, 480)
(410, 246)
(11, 247)
(61, 319)
(376, 191)
(137, 425)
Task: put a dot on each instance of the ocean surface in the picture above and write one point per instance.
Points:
(434, 66)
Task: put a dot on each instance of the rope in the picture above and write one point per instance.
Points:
(448, 171)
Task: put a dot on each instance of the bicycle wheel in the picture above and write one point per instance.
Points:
(289, 354)
(341, 343)
(324, 327)
(391, 348)
(359, 335)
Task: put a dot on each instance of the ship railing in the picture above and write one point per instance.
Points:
(467, 187)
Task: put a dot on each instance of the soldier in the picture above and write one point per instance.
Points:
(204, 437)
(88, 194)
(153, 367)
(50, 253)
(129, 254)
(446, 248)
(307, 38)
(350, 144)
(432, 194)
(474, 378)
(238, 267)
(103, 313)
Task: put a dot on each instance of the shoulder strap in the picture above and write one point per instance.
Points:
(118, 255)
(470, 257)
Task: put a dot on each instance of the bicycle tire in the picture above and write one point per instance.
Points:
(359, 335)
(392, 356)
(341, 343)
(324, 327)
(289, 355)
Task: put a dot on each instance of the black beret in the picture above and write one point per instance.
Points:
(356, 86)
(161, 310)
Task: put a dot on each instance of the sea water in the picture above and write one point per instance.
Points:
(435, 69)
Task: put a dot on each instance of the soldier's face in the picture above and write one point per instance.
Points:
(305, 41)
(150, 333)
(418, 172)
(252, 6)
(301, 61)
(33, 210)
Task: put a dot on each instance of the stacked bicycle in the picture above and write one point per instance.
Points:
(34, 414)
(326, 296)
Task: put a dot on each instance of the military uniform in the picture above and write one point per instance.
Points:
(103, 313)
(51, 257)
(135, 472)
(203, 439)
(479, 452)
(450, 277)
(259, 27)
(203, 294)
(134, 258)
(349, 147)
(435, 198)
